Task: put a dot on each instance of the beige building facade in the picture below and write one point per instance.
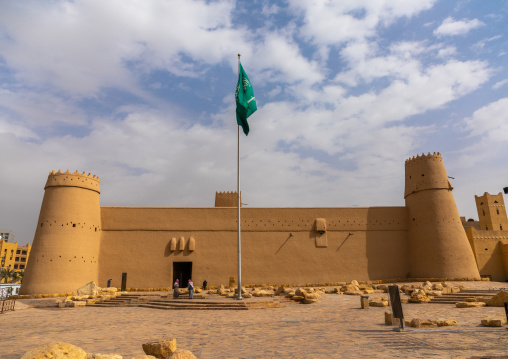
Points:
(78, 241)
(14, 256)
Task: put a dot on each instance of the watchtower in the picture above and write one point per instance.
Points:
(437, 241)
(491, 212)
(65, 251)
(227, 199)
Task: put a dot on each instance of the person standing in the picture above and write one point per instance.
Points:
(176, 287)
(190, 287)
(204, 284)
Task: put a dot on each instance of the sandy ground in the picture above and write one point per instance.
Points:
(334, 327)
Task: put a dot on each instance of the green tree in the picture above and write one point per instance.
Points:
(9, 275)
(4, 275)
(21, 274)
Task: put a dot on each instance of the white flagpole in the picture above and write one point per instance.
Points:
(238, 205)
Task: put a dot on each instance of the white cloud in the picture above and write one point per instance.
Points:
(447, 52)
(85, 45)
(328, 22)
(490, 122)
(279, 59)
(451, 27)
(40, 108)
(499, 84)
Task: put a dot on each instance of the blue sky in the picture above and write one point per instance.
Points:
(141, 93)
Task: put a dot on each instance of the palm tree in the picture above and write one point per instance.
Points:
(8, 275)
(21, 274)
(14, 276)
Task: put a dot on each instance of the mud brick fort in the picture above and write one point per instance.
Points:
(78, 241)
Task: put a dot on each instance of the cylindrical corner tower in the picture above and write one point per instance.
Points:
(438, 243)
(66, 245)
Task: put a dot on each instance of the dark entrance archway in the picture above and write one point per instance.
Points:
(183, 272)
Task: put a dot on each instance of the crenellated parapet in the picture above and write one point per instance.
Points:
(227, 199)
(425, 172)
(76, 179)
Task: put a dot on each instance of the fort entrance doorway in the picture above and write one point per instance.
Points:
(183, 272)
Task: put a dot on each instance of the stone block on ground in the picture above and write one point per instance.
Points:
(263, 293)
(470, 304)
(104, 356)
(75, 304)
(493, 322)
(314, 295)
(444, 322)
(221, 290)
(419, 323)
(427, 285)
(447, 290)
(280, 290)
(353, 292)
(160, 348)
(499, 299)
(183, 354)
(109, 290)
(437, 286)
(56, 350)
(297, 298)
(309, 301)
(89, 289)
(378, 303)
(61, 304)
(419, 296)
(301, 292)
(349, 288)
(290, 294)
(243, 290)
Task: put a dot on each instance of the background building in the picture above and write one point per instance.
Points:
(13, 257)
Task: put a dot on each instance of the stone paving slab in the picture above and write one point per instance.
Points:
(334, 327)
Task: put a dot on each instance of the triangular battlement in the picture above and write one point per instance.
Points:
(423, 157)
(76, 179)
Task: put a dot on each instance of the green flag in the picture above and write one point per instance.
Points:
(245, 100)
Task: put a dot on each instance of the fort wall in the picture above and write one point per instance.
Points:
(77, 241)
(488, 251)
(279, 245)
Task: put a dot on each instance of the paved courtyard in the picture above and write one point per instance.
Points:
(334, 327)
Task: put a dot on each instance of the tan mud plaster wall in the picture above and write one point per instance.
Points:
(137, 241)
(488, 251)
